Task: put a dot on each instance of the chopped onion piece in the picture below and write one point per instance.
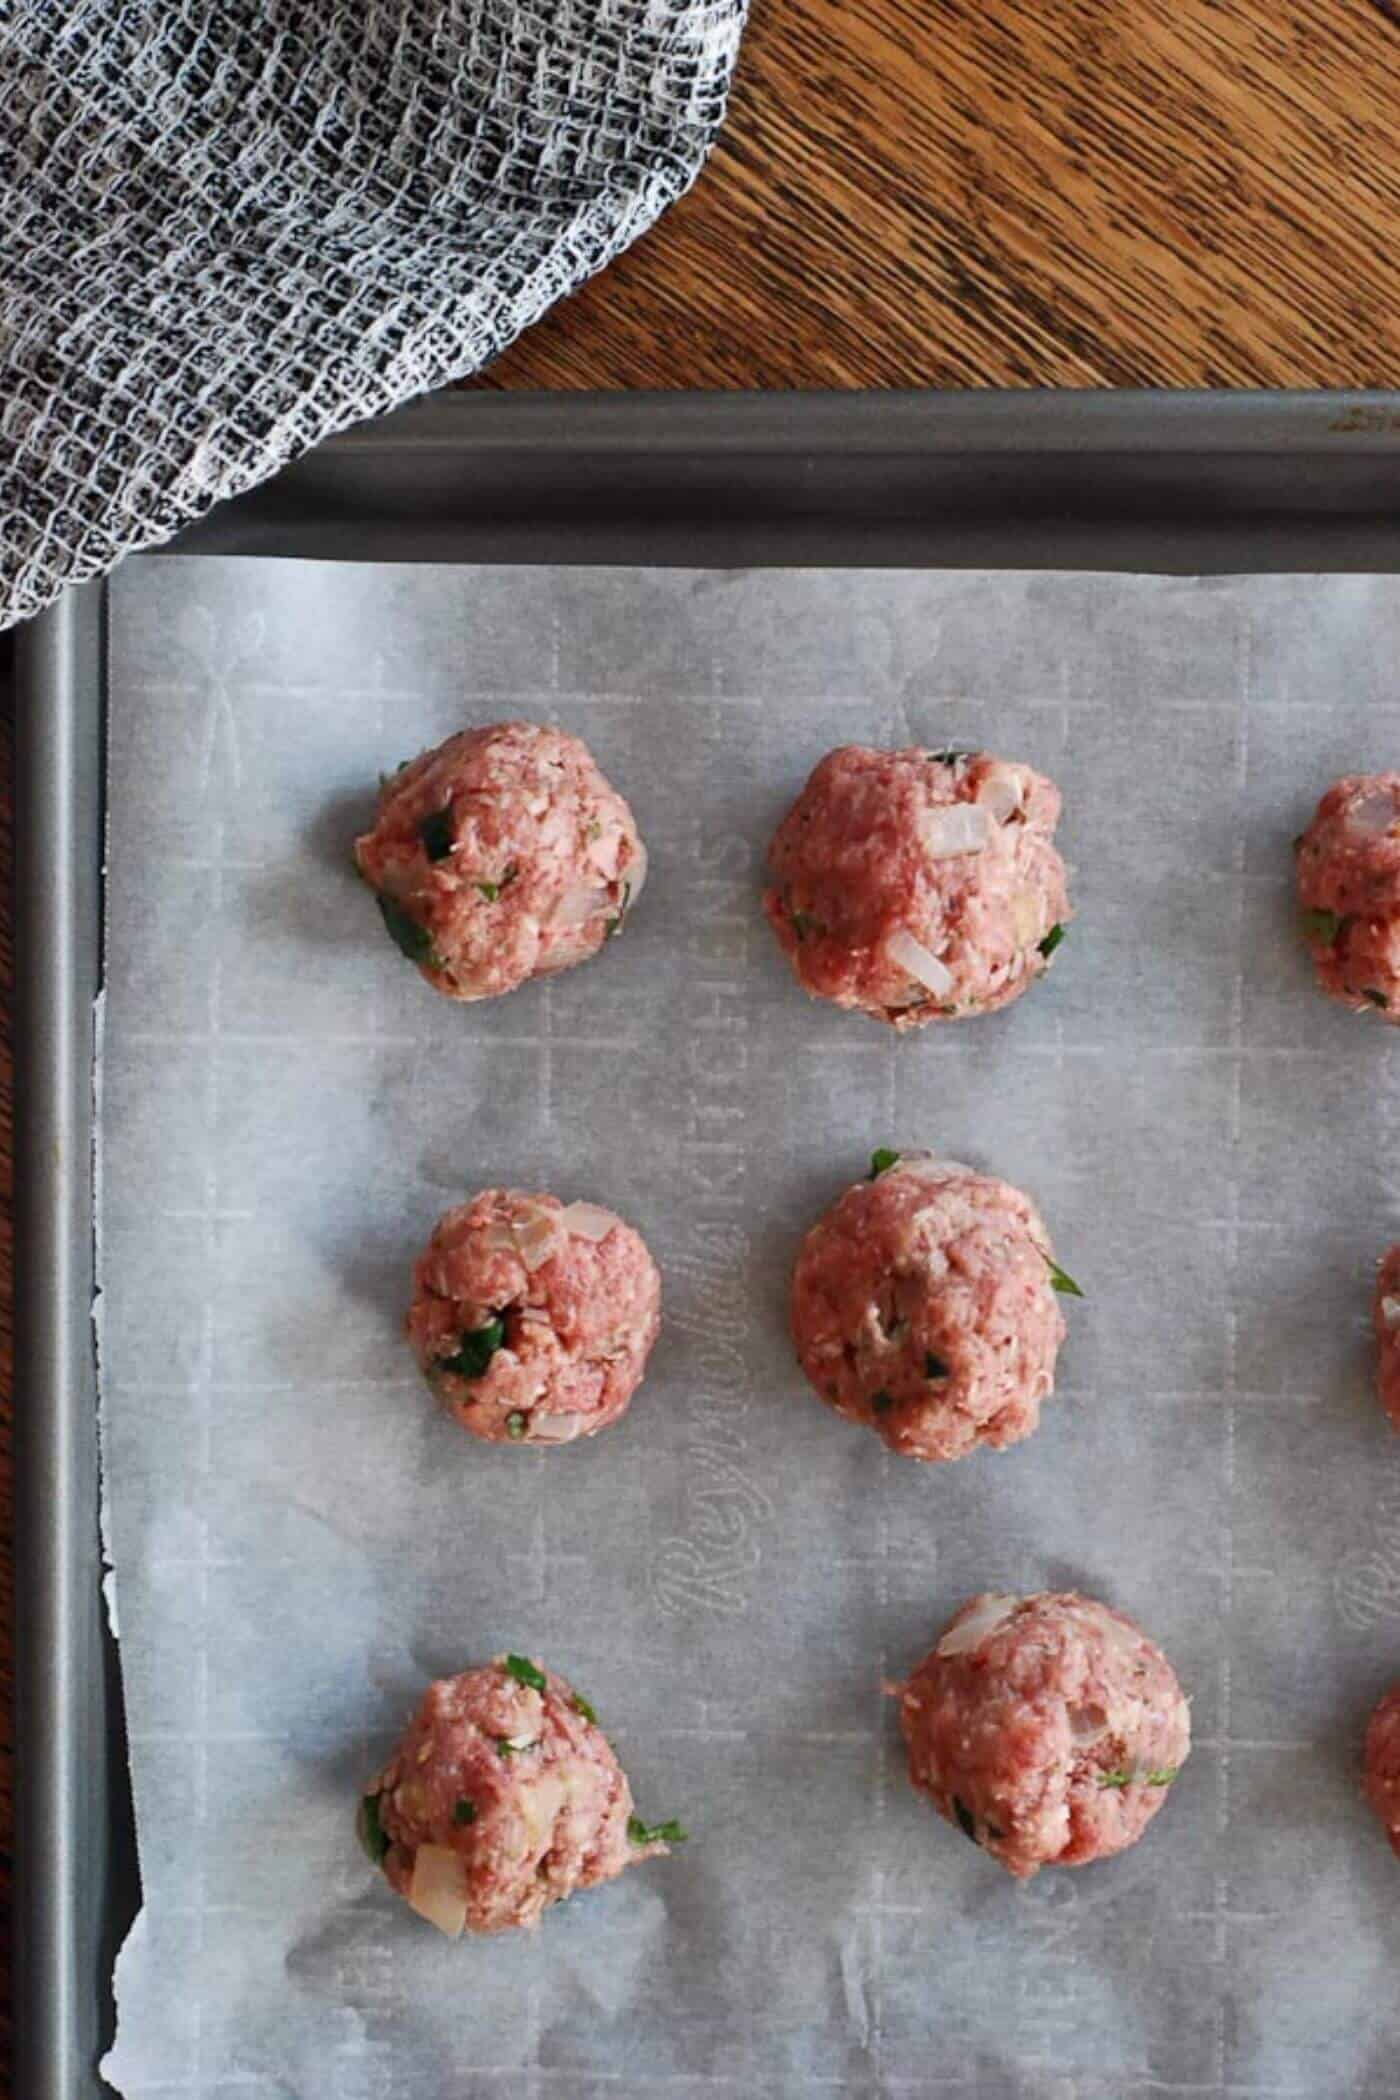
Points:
(636, 874)
(587, 1221)
(912, 956)
(1390, 1312)
(955, 827)
(969, 1632)
(576, 907)
(1000, 794)
(499, 1236)
(535, 1240)
(436, 1891)
(1373, 811)
(554, 1429)
(1025, 918)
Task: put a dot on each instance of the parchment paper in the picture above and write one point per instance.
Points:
(301, 1540)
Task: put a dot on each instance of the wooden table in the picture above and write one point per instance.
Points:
(962, 193)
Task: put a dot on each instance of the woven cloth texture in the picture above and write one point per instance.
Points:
(231, 227)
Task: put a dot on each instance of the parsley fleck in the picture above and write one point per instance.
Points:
(1377, 999)
(408, 936)
(475, 1350)
(1164, 1777)
(882, 1161)
(583, 1706)
(881, 1401)
(373, 1837)
(515, 1426)
(1321, 926)
(490, 891)
(641, 1833)
(524, 1671)
(1051, 941)
(509, 1748)
(803, 924)
(934, 1367)
(1061, 1280)
(965, 1823)
(1115, 1779)
(436, 833)
(464, 1812)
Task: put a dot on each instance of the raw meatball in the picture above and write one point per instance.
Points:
(923, 1303)
(501, 856)
(1383, 1765)
(1349, 892)
(503, 1797)
(1048, 1728)
(917, 885)
(531, 1319)
(1387, 1319)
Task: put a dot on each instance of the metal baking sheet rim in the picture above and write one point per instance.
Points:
(1152, 481)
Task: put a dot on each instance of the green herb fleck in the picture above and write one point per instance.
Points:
(373, 1837)
(965, 1823)
(1321, 926)
(464, 1812)
(881, 1162)
(1162, 1777)
(524, 1671)
(1051, 941)
(509, 1749)
(881, 1402)
(490, 891)
(408, 936)
(655, 1833)
(615, 923)
(594, 832)
(934, 1367)
(583, 1706)
(805, 924)
(515, 1426)
(1377, 999)
(475, 1350)
(1061, 1280)
(436, 833)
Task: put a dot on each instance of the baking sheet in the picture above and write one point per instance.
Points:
(300, 1540)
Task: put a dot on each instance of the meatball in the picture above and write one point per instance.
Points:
(1387, 1321)
(502, 1797)
(923, 1303)
(918, 885)
(501, 856)
(1382, 1765)
(1349, 892)
(532, 1320)
(1048, 1728)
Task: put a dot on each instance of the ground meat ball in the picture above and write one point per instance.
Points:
(918, 886)
(533, 1320)
(1387, 1319)
(1349, 892)
(503, 1797)
(923, 1303)
(1382, 1765)
(1047, 1728)
(501, 856)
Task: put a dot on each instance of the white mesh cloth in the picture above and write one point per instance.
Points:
(231, 227)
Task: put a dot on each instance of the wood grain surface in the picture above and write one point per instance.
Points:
(975, 193)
